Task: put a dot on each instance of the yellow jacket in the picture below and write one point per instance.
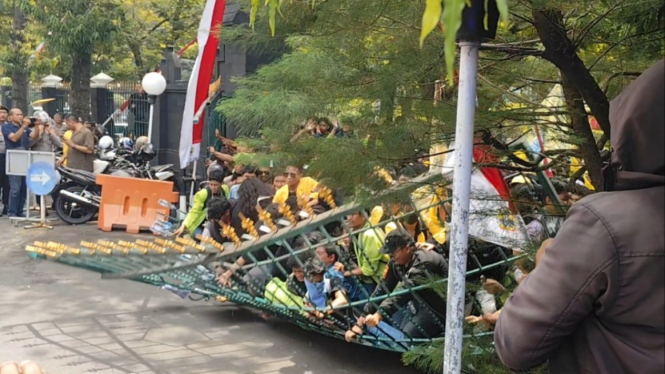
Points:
(306, 187)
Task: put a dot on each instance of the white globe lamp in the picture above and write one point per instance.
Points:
(154, 84)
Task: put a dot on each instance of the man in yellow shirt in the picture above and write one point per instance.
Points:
(296, 185)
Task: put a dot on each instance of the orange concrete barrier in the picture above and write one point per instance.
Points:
(132, 202)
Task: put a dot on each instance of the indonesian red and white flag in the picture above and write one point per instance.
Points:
(199, 81)
(490, 215)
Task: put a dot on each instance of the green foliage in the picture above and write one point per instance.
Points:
(344, 56)
(76, 26)
(478, 355)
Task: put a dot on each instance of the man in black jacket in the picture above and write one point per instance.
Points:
(423, 311)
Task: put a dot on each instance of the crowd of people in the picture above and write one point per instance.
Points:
(41, 133)
(372, 253)
(590, 300)
(358, 275)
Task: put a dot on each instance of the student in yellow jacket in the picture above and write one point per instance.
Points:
(371, 263)
(196, 216)
(296, 184)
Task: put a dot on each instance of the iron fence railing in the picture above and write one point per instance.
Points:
(279, 246)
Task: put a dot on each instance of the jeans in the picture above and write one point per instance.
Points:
(198, 231)
(384, 330)
(4, 183)
(17, 195)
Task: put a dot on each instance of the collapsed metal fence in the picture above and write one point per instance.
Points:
(189, 268)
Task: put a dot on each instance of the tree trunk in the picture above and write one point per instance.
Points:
(580, 123)
(561, 51)
(135, 47)
(79, 95)
(19, 63)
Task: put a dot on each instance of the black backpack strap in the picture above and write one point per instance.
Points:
(208, 196)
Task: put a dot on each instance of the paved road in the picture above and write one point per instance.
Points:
(73, 322)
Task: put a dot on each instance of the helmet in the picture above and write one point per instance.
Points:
(140, 141)
(126, 143)
(106, 142)
(147, 152)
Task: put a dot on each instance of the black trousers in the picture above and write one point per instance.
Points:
(4, 183)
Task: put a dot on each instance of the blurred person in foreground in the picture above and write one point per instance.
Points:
(25, 367)
(595, 302)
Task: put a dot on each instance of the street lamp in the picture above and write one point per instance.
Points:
(154, 85)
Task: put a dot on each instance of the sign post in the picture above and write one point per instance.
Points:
(41, 179)
(18, 163)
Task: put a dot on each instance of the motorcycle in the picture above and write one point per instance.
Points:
(76, 200)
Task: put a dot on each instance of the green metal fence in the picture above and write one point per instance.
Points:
(191, 269)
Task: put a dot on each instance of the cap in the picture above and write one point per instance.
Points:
(396, 239)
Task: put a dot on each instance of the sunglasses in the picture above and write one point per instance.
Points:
(264, 173)
(292, 175)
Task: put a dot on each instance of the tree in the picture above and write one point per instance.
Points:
(77, 29)
(148, 26)
(367, 51)
(17, 61)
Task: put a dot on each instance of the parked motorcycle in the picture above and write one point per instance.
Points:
(76, 200)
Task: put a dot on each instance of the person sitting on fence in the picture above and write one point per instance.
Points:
(193, 223)
(422, 312)
(371, 263)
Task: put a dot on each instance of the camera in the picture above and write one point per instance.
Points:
(33, 121)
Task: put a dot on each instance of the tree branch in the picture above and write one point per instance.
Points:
(605, 52)
(585, 31)
(511, 49)
(606, 83)
(157, 26)
(577, 175)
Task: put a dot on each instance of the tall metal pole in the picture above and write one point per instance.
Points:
(459, 236)
(151, 100)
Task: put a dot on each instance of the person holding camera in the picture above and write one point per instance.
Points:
(43, 137)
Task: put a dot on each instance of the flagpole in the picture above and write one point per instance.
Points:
(459, 239)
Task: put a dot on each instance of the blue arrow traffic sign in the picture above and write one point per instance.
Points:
(42, 178)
